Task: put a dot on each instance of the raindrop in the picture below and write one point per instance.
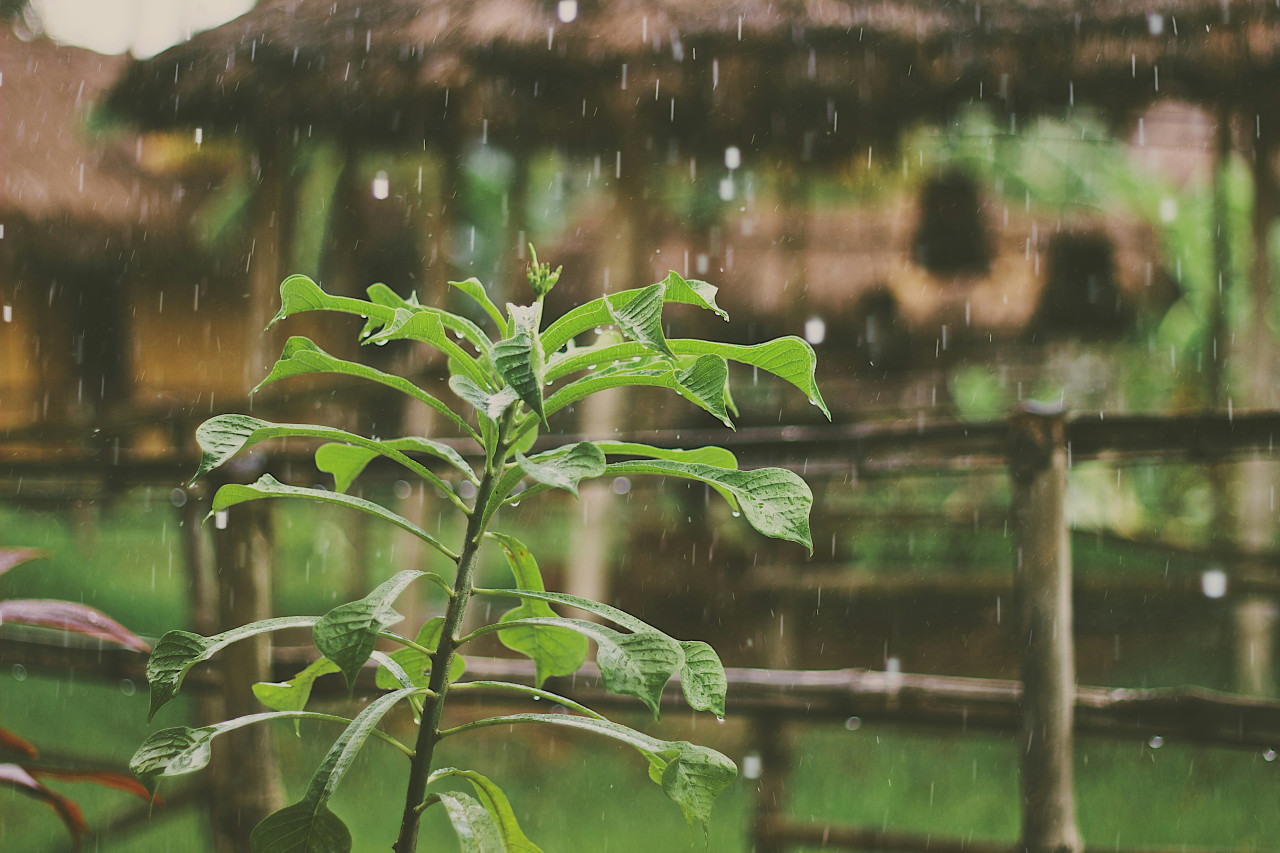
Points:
(402, 489)
(467, 489)
(1155, 742)
(726, 189)
(19, 672)
(381, 186)
(853, 724)
(178, 497)
(621, 486)
(815, 331)
(1269, 754)
(220, 519)
(1213, 583)
(8, 313)
(127, 687)
(732, 157)
(752, 765)
(737, 514)
(199, 136)
(567, 11)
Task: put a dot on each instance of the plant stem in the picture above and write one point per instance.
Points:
(442, 660)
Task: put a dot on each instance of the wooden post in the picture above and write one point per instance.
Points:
(1038, 462)
(246, 779)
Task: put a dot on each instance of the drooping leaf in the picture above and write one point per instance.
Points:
(597, 311)
(418, 665)
(13, 745)
(347, 633)
(694, 777)
(13, 557)
(702, 383)
(476, 829)
(702, 678)
(789, 358)
(178, 651)
(112, 779)
(554, 651)
(301, 356)
(700, 773)
(301, 828)
(293, 695)
(495, 802)
(308, 826)
(640, 318)
(637, 665)
(474, 289)
(298, 293)
(269, 487)
(563, 468)
(73, 617)
(775, 501)
(518, 358)
(17, 778)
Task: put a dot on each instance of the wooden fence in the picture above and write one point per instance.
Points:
(1045, 707)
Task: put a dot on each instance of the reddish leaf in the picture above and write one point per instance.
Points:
(107, 778)
(12, 743)
(19, 779)
(69, 616)
(10, 557)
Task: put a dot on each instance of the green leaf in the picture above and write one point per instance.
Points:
(564, 468)
(476, 829)
(597, 311)
(383, 295)
(178, 651)
(308, 826)
(701, 383)
(428, 327)
(301, 357)
(180, 750)
(489, 405)
(789, 358)
(346, 462)
(473, 288)
(640, 318)
(554, 651)
(495, 802)
(418, 665)
(293, 695)
(518, 358)
(637, 665)
(223, 436)
(298, 293)
(301, 828)
(717, 456)
(346, 634)
(693, 776)
(775, 501)
(269, 487)
(702, 678)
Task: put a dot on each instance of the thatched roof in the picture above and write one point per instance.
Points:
(61, 183)
(812, 76)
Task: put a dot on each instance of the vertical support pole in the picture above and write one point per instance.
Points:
(1255, 615)
(768, 734)
(1038, 463)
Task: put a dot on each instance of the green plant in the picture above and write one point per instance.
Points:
(514, 386)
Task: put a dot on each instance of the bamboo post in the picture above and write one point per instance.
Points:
(1038, 463)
